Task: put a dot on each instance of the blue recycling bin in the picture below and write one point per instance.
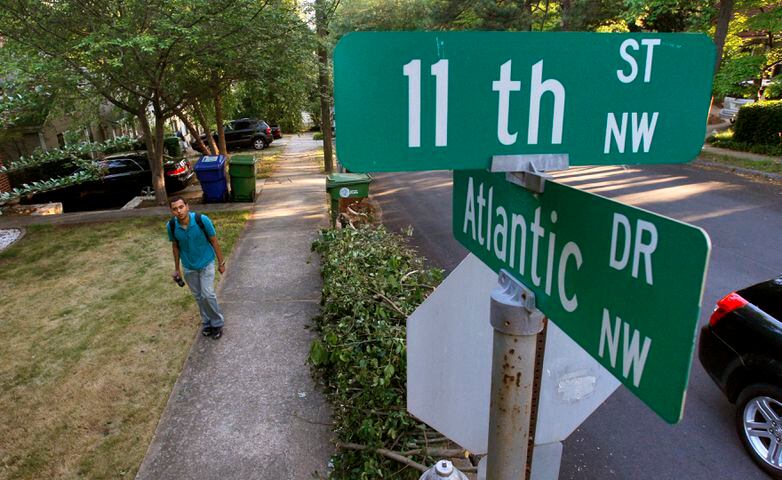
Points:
(210, 171)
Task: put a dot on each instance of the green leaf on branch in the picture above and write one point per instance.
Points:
(370, 279)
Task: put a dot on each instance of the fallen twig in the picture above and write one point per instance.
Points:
(439, 452)
(392, 304)
(402, 280)
(396, 456)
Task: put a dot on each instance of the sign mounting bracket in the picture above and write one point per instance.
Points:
(529, 170)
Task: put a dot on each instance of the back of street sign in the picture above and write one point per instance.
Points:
(452, 100)
(624, 283)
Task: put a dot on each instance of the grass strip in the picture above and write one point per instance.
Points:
(767, 166)
(267, 164)
(371, 282)
(94, 334)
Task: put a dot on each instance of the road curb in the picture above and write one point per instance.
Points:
(734, 169)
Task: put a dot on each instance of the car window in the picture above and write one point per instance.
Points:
(241, 125)
(121, 165)
(766, 296)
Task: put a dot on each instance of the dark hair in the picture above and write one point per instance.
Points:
(175, 199)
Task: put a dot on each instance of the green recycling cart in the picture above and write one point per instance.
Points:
(344, 186)
(242, 169)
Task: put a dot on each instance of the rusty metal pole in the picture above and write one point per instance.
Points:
(516, 324)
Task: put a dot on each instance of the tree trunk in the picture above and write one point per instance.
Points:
(324, 84)
(565, 5)
(191, 128)
(723, 19)
(155, 153)
(205, 125)
(218, 99)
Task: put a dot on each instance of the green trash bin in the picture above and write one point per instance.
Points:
(242, 169)
(344, 186)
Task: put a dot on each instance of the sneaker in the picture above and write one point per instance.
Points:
(207, 331)
(217, 332)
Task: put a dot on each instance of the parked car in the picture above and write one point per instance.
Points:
(741, 349)
(276, 131)
(244, 132)
(731, 107)
(178, 173)
(127, 174)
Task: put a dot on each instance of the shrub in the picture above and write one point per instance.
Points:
(318, 136)
(371, 282)
(759, 123)
(732, 79)
(59, 167)
(774, 89)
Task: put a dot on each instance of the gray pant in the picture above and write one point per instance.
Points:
(201, 283)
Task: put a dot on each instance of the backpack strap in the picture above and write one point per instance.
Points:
(172, 229)
(200, 221)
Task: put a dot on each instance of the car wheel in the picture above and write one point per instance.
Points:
(259, 144)
(147, 191)
(759, 423)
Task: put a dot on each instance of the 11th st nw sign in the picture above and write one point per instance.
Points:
(624, 283)
(452, 100)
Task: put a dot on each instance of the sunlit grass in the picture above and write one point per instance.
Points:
(267, 163)
(765, 165)
(94, 333)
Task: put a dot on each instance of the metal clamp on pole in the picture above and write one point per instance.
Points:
(529, 170)
(516, 322)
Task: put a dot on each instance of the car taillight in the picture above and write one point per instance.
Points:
(729, 303)
(177, 171)
(268, 131)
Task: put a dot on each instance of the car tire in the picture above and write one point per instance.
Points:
(759, 425)
(259, 144)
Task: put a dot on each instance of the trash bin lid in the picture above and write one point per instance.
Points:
(242, 160)
(344, 179)
(210, 162)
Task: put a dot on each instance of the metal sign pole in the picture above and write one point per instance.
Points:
(516, 324)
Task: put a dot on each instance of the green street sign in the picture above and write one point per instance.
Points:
(624, 283)
(452, 100)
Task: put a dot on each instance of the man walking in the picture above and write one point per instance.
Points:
(194, 242)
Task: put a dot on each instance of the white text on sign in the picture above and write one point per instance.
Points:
(531, 248)
(641, 126)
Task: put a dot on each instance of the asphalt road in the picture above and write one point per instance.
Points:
(623, 439)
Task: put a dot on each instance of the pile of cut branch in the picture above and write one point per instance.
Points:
(372, 280)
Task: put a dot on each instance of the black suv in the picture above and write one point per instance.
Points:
(246, 132)
(741, 349)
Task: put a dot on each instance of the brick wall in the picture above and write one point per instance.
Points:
(5, 184)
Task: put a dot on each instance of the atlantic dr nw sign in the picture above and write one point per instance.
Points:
(624, 283)
(452, 100)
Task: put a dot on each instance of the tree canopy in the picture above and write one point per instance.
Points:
(156, 59)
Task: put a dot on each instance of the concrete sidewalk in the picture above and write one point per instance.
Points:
(245, 406)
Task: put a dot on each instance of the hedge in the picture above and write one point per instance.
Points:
(759, 123)
(371, 282)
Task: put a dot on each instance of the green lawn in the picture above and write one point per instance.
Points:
(768, 166)
(93, 336)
